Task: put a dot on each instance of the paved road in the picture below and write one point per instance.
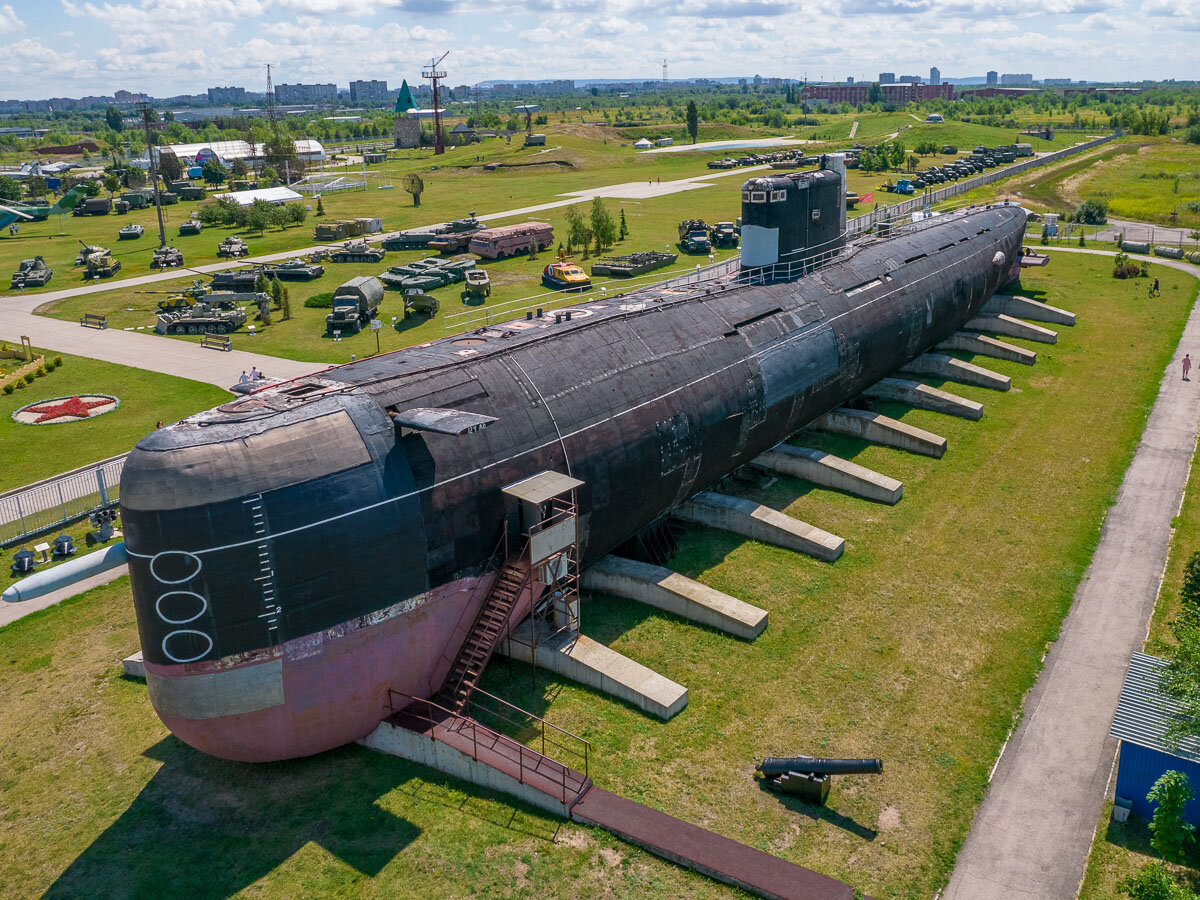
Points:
(1033, 832)
(1141, 231)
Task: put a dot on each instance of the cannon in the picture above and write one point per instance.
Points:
(807, 777)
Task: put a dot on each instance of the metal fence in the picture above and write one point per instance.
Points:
(56, 501)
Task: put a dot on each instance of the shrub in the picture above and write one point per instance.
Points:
(1172, 834)
(1129, 270)
(20, 385)
(1154, 882)
(1092, 212)
(320, 301)
(58, 361)
(40, 373)
(29, 376)
(9, 388)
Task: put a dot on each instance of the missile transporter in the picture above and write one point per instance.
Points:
(358, 252)
(633, 265)
(31, 273)
(270, 625)
(355, 304)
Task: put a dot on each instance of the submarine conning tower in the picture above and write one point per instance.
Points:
(790, 219)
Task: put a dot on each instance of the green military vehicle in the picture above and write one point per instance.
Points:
(101, 264)
(166, 258)
(130, 233)
(355, 304)
(232, 247)
(724, 234)
(191, 226)
(136, 200)
(214, 313)
(294, 270)
(94, 206)
(418, 301)
(357, 251)
(31, 273)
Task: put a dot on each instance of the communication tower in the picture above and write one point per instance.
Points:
(434, 75)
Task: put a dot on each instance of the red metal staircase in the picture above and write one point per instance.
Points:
(481, 640)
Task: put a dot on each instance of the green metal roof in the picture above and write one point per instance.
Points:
(1144, 712)
(404, 100)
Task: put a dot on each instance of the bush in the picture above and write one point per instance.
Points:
(20, 385)
(29, 378)
(58, 361)
(320, 301)
(1129, 270)
(1193, 135)
(1190, 592)
(1172, 834)
(1154, 882)
(40, 373)
(9, 388)
(1092, 212)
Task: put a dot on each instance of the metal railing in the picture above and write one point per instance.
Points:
(57, 501)
(567, 778)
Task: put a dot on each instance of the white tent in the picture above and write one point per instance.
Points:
(275, 195)
(643, 144)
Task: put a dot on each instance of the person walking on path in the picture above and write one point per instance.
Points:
(1187, 366)
(1154, 291)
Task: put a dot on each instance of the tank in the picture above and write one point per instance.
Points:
(216, 313)
(294, 270)
(31, 273)
(88, 249)
(101, 265)
(271, 624)
(240, 281)
(355, 303)
(357, 251)
(232, 247)
(411, 240)
(166, 258)
(130, 232)
(191, 226)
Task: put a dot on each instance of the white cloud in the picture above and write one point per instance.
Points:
(8, 20)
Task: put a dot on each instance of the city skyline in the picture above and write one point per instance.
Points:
(95, 47)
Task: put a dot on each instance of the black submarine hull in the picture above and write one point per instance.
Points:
(294, 554)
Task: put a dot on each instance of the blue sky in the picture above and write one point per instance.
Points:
(164, 47)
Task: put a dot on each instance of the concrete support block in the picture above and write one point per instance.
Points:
(982, 345)
(660, 587)
(1010, 327)
(134, 667)
(922, 396)
(831, 471)
(937, 365)
(760, 523)
(1024, 308)
(880, 429)
(581, 659)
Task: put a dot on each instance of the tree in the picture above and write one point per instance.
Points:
(576, 228)
(296, 213)
(1172, 834)
(320, 206)
(10, 188)
(212, 171)
(112, 118)
(1092, 212)
(36, 186)
(169, 166)
(874, 94)
(258, 216)
(238, 169)
(276, 294)
(604, 229)
(286, 304)
(268, 177)
(111, 183)
(623, 231)
(693, 121)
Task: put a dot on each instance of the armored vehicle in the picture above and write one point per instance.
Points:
(725, 163)
(101, 265)
(354, 304)
(294, 270)
(96, 206)
(217, 313)
(724, 234)
(357, 251)
(417, 301)
(456, 237)
(191, 226)
(410, 240)
(479, 285)
(693, 236)
(233, 248)
(183, 299)
(633, 265)
(564, 275)
(949, 150)
(32, 273)
(88, 249)
(120, 207)
(240, 281)
(166, 258)
(130, 233)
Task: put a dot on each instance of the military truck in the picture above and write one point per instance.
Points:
(167, 198)
(693, 236)
(31, 273)
(233, 248)
(136, 200)
(357, 251)
(191, 226)
(334, 231)
(192, 192)
(355, 303)
(120, 207)
(94, 206)
(166, 258)
(724, 234)
(294, 270)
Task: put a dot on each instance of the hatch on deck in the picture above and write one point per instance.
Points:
(454, 422)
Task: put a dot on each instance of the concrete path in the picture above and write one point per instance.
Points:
(11, 612)
(854, 129)
(1033, 832)
(1144, 231)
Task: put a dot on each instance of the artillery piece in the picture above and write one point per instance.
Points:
(31, 273)
(807, 777)
(166, 258)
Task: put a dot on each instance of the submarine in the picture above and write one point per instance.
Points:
(297, 552)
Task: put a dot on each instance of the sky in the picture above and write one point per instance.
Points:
(163, 47)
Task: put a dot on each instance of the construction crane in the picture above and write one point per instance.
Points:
(434, 75)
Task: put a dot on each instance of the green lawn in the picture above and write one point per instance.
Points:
(33, 452)
(917, 646)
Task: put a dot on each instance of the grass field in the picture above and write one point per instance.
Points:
(917, 646)
(33, 452)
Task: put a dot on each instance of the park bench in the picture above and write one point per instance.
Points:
(216, 341)
(94, 320)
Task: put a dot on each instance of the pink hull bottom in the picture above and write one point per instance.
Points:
(325, 689)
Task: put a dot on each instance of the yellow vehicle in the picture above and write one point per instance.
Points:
(565, 276)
